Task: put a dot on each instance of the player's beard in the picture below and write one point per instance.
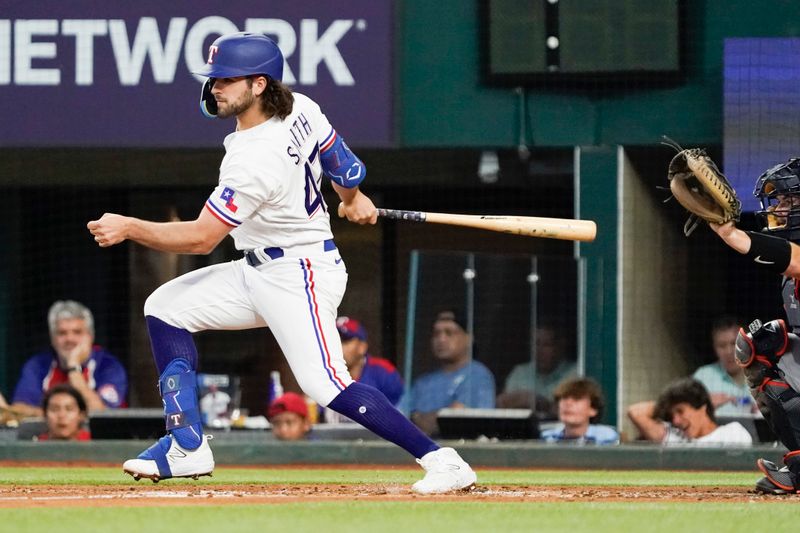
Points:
(239, 106)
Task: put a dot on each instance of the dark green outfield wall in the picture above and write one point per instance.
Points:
(441, 100)
(514, 455)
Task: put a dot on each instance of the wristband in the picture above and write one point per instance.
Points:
(772, 252)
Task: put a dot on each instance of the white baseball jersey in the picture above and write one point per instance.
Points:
(269, 191)
(270, 179)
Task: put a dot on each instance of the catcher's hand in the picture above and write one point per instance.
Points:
(699, 186)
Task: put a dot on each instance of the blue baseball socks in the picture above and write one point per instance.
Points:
(370, 408)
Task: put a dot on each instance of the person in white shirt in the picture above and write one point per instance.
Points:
(684, 414)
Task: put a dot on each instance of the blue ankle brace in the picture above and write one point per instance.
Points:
(176, 359)
(178, 387)
(370, 408)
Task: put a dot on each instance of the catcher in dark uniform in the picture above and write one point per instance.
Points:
(770, 352)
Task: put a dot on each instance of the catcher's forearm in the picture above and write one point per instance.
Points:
(733, 237)
(772, 252)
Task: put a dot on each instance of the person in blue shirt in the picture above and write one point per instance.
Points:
(460, 382)
(74, 359)
(365, 367)
(580, 404)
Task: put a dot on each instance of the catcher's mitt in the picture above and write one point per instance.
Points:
(699, 186)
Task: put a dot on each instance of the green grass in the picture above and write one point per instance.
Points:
(411, 517)
(227, 476)
(416, 516)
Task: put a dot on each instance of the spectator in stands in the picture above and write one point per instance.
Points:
(363, 366)
(288, 416)
(724, 379)
(580, 404)
(532, 384)
(684, 414)
(72, 358)
(460, 382)
(65, 414)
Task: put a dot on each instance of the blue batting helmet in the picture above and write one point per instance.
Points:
(243, 54)
(238, 54)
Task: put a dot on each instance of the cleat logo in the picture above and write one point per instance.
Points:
(176, 454)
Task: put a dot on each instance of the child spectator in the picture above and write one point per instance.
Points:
(65, 414)
(684, 414)
(580, 403)
(288, 416)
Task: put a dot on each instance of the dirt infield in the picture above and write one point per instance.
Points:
(165, 493)
(146, 493)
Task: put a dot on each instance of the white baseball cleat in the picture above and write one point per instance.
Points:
(166, 459)
(445, 471)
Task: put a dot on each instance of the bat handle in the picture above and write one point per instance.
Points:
(397, 214)
(393, 214)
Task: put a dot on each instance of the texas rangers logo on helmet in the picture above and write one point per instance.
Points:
(212, 51)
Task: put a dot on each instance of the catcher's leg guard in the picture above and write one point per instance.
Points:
(780, 405)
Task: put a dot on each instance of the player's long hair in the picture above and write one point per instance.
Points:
(276, 100)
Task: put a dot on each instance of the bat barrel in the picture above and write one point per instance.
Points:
(548, 228)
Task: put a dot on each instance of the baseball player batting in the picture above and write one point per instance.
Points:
(291, 276)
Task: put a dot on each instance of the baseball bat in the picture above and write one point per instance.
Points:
(550, 228)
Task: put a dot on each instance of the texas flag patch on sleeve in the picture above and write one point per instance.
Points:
(227, 195)
(223, 204)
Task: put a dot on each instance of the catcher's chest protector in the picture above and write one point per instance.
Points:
(791, 304)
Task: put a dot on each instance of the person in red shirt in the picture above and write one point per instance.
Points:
(65, 414)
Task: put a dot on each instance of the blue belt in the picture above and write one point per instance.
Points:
(276, 253)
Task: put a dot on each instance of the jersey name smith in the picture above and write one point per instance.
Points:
(300, 131)
(270, 181)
